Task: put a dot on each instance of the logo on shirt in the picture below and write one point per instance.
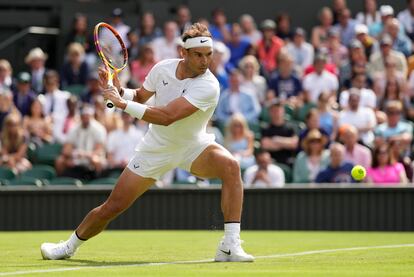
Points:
(184, 90)
(202, 41)
(136, 166)
(164, 83)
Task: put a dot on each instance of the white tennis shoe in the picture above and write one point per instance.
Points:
(230, 250)
(56, 251)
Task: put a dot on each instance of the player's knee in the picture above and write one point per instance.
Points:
(231, 167)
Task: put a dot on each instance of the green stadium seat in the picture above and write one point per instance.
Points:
(26, 181)
(41, 172)
(48, 153)
(75, 89)
(65, 181)
(6, 173)
(287, 170)
(102, 181)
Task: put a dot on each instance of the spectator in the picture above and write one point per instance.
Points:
(385, 170)
(252, 81)
(221, 55)
(79, 33)
(23, 95)
(75, 70)
(109, 119)
(400, 155)
(239, 140)
(117, 22)
(394, 90)
(279, 138)
(328, 117)
(36, 60)
(368, 97)
(165, 47)
(71, 120)
(313, 123)
(376, 29)
(121, 143)
(142, 66)
(356, 58)
(320, 32)
(264, 174)
(319, 81)
(220, 29)
(370, 14)
(283, 84)
(234, 100)
(6, 72)
(93, 89)
(148, 31)
(249, 29)
(283, 29)
(312, 159)
(55, 99)
(238, 46)
(338, 171)
(355, 153)
(37, 126)
(14, 145)
(362, 118)
(337, 7)
(406, 18)
(6, 105)
(269, 47)
(369, 43)
(389, 74)
(133, 41)
(337, 52)
(401, 42)
(83, 154)
(346, 26)
(183, 18)
(301, 51)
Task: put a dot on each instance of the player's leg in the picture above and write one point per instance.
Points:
(216, 162)
(128, 188)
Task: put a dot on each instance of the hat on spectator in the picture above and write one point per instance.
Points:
(268, 24)
(313, 135)
(35, 53)
(117, 12)
(221, 48)
(386, 40)
(361, 29)
(386, 10)
(355, 44)
(24, 77)
(300, 32)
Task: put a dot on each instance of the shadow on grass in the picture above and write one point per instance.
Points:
(88, 263)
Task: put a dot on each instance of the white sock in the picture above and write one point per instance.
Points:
(231, 230)
(74, 242)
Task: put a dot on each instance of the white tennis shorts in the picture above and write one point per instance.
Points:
(154, 164)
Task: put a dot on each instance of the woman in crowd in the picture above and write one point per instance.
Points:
(328, 117)
(252, 81)
(38, 127)
(320, 32)
(75, 70)
(370, 14)
(142, 66)
(312, 159)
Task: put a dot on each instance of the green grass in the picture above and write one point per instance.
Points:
(122, 251)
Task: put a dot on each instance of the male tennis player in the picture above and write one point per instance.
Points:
(186, 94)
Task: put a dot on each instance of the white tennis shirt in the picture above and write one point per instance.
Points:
(202, 91)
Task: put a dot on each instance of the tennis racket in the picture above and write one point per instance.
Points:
(112, 51)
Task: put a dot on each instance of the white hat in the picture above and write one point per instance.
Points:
(35, 53)
(386, 10)
(361, 29)
(223, 49)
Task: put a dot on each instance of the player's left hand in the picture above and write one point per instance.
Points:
(111, 93)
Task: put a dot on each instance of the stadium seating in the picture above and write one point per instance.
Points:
(287, 170)
(25, 181)
(41, 172)
(47, 153)
(65, 181)
(102, 181)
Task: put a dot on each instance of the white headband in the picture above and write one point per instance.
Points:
(198, 42)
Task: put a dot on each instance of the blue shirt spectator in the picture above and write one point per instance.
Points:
(346, 27)
(238, 47)
(23, 96)
(219, 29)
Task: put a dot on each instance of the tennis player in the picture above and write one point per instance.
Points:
(186, 94)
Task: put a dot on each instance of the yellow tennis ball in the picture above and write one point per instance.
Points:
(358, 172)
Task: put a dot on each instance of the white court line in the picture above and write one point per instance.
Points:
(323, 251)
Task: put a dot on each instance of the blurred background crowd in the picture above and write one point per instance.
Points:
(295, 107)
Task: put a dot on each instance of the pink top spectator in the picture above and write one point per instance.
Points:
(360, 155)
(139, 71)
(386, 175)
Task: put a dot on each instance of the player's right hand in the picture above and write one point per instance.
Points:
(103, 76)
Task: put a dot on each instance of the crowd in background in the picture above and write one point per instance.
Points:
(294, 107)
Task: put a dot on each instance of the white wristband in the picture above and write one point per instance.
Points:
(135, 109)
(128, 94)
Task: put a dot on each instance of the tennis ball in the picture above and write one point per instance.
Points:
(358, 172)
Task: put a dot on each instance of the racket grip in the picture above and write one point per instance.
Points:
(109, 104)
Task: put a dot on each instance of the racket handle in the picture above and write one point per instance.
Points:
(109, 103)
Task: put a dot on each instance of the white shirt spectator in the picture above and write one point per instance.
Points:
(257, 87)
(123, 30)
(121, 144)
(275, 173)
(368, 19)
(302, 55)
(368, 98)
(164, 49)
(363, 118)
(407, 20)
(315, 84)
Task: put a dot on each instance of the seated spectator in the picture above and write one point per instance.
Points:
(301, 51)
(108, 118)
(401, 42)
(395, 91)
(312, 122)
(362, 118)
(148, 31)
(279, 138)
(165, 47)
(142, 66)
(312, 159)
(183, 18)
(368, 97)
(6, 105)
(387, 13)
(390, 74)
(23, 94)
(75, 70)
(319, 81)
(36, 60)
(249, 29)
(284, 84)
(71, 120)
(219, 28)
(283, 30)
(346, 26)
(6, 72)
(234, 100)
(338, 170)
(394, 129)
(269, 47)
(400, 156)
(239, 140)
(370, 14)
(406, 18)
(252, 81)
(356, 69)
(264, 174)
(320, 32)
(14, 145)
(37, 126)
(328, 117)
(93, 89)
(83, 154)
(116, 21)
(337, 7)
(356, 57)
(133, 41)
(79, 33)
(221, 56)
(355, 153)
(121, 143)
(385, 170)
(369, 43)
(336, 51)
(238, 46)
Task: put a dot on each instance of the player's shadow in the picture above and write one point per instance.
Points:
(88, 263)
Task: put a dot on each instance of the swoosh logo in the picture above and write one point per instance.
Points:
(226, 252)
(202, 41)
(136, 166)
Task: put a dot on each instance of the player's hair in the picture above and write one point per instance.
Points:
(196, 30)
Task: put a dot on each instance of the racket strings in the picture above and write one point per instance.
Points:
(111, 48)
